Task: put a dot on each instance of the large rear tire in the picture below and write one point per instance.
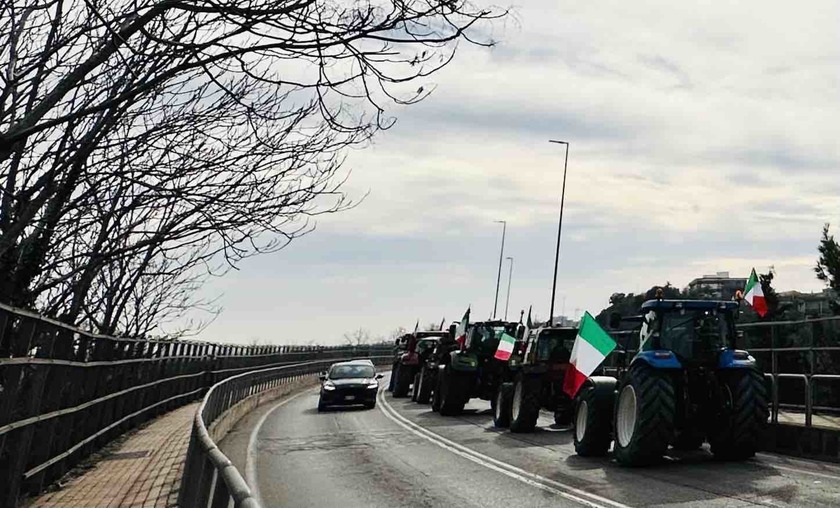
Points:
(742, 417)
(501, 406)
(564, 413)
(453, 387)
(393, 379)
(437, 392)
(644, 416)
(525, 405)
(424, 392)
(591, 424)
(403, 382)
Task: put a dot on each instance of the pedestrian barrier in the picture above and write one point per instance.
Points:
(210, 479)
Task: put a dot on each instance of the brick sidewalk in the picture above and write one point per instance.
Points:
(144, 471)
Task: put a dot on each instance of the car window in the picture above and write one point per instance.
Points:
(351, 371)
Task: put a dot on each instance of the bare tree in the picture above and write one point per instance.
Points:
(357, 337)
(147, 143)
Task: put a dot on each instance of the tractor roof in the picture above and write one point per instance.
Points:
(432, 334)
(666, 305)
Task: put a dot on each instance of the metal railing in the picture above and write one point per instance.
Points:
(210, 479)
(65, 392)
(781, 348)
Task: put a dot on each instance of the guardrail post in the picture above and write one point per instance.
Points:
(808, 402)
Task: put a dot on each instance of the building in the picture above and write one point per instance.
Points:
(719, 286)
(811, 305)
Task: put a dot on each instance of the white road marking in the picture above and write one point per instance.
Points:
(251, 453)
(535, 480)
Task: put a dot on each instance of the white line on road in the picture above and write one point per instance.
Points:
(535, 480)
(251, 453)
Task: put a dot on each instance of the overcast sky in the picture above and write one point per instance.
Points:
(704, 138)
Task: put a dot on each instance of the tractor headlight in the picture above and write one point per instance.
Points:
(329, 386)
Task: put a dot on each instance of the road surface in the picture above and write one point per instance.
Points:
(403, 454)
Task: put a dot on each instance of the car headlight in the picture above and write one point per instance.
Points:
(329, 386)
(373, 385)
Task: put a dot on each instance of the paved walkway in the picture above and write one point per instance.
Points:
(817, 420)
(143, 471)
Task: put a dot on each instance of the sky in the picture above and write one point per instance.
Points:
(703, 138)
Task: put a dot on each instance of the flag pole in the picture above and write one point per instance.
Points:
(499, 276)
(559, 231)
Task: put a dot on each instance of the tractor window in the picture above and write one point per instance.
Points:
(425, 345)
(691, 334)
(556, 345)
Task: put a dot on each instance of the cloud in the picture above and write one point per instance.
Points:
(702, 139)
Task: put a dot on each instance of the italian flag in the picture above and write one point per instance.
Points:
(505, 348)
(592, 345)
(754, 295)
(461, 331)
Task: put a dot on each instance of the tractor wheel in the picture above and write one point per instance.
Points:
(393, 378)
(564, 413)
(437, 392)
(452, 389)
(414, 386)
(501, 406)
(403, 382)
(644, 416)
(743, 415)
(591, 424)
(424, 391)
(525, 405)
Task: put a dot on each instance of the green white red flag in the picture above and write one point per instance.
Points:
(461, 331)
(505, 348)
(592, 345)
(754, 295)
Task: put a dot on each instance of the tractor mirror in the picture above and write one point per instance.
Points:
(615, 320)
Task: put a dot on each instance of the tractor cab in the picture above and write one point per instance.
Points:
(420, 344)
(483, 337)
(550, 345)
(693, 332)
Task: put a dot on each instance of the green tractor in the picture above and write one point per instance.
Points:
(686, 384)
(537, 382)
(471, 371)
(436, 354)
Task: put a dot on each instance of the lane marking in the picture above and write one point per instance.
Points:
(251, 452)
(527, 477)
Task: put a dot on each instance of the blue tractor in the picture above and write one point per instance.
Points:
(686, 384)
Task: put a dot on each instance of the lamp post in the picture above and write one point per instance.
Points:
(510, 278)
(501, 257)
(559, 229)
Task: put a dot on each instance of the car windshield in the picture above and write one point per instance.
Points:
(351, 371)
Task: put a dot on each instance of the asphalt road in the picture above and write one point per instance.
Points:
(403, 454)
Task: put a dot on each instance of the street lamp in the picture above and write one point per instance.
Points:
(510, 278)
(559, 229)
(501, 256)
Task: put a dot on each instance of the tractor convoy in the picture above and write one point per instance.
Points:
(675, 379)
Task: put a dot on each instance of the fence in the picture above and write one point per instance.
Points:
(801, 360)
(65, 392)
(208, 475)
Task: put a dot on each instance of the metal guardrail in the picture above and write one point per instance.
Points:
(210, 479)
(64, 392)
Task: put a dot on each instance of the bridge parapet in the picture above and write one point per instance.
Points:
(65, 392)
